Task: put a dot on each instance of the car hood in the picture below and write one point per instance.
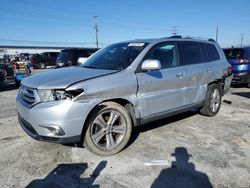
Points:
(63, 77)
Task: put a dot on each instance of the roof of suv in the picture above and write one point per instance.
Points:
(173, 38)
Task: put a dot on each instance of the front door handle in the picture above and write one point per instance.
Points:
(179, 75)
(208, 70)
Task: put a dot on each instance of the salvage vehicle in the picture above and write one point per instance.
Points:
(239, 58)
(74, 56)
(121, 86)
(7, 74)
(41, 61)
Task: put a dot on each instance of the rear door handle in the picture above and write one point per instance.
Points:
(179, 75)
(208, 70)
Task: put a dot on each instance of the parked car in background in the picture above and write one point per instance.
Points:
(123, 85)
(43, 60)
(74, 56)
(7, 74)
(239, 58)
(2, 76)
(24, 55)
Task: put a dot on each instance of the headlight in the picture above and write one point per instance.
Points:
(51, 95)
(46, 95)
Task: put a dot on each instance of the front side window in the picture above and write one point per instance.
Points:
(190, 53)
(165, 53)
(115, 57)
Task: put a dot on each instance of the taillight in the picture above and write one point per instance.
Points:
(229, 70)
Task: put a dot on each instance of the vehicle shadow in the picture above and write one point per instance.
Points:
(159, 123)
(238, 85)
(8, 87)
(69, 175)
(242, 94)
(181, 173)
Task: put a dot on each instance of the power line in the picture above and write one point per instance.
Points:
(51, 42)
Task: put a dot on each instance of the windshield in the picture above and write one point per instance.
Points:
(115, 57)
(234, 53)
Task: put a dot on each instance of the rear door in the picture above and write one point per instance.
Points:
(198, 71)
(162, 90)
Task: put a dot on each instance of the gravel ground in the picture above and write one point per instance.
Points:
(187, 150)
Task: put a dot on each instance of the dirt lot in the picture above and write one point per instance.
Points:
(194, 151)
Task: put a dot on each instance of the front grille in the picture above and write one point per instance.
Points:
(27, 95)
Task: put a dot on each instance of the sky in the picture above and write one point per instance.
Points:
(71, 22)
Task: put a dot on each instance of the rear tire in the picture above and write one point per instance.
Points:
(212, 101)
(108, 129)
(42, 65)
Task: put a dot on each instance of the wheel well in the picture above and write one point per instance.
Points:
(123, 102)
(219, 82)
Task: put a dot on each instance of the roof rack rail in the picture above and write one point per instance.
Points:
(176, 36)
(201, 38)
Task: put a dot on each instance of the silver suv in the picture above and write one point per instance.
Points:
(123, 85)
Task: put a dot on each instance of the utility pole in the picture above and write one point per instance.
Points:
(241, 39)
(96, 27)
(217, 32)
(175, 30)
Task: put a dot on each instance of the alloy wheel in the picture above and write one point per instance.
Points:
(108, 129)
(215, 100)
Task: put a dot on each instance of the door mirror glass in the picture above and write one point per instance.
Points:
(151, 64)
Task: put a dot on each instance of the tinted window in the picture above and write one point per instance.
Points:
(212, 53)
(190, 53)
(165, 53)
(234, 53)
(82, 53)
(65, 56)
(53, 54)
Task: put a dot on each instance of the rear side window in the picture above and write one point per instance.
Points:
(212, 53)
(190, 53)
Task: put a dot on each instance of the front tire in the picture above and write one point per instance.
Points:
(212, 101)
(108, 129)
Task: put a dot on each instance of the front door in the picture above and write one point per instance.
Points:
(162, 90)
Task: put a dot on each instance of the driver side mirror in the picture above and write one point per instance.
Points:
(150, 65)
